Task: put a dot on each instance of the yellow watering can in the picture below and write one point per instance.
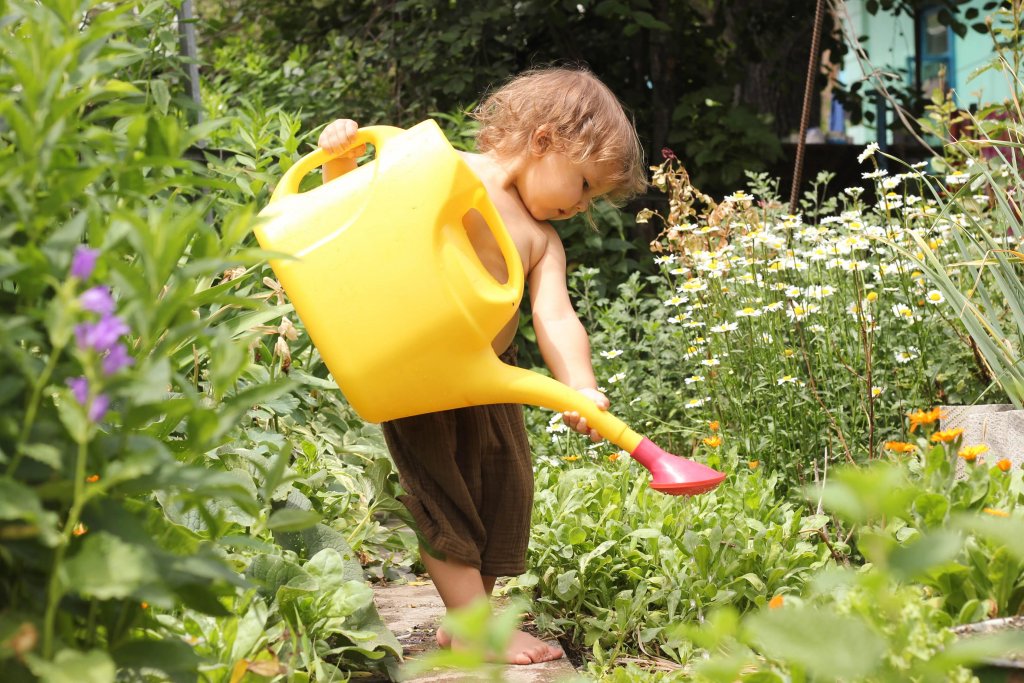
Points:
(396, 300)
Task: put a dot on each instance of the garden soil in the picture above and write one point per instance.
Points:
(412, 611)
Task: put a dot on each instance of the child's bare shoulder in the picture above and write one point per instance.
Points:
(533, 238)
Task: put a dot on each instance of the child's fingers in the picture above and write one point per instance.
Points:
(579, 424)
(337, 139)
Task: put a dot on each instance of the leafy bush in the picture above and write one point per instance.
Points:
(629, 565)
(149, 446)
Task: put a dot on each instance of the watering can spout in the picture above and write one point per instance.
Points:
(671, 474)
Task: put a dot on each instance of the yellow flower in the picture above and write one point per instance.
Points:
(872, 296)
(753, 464)
(1004, 464)
(995, 513)
(900, 447)
(570, 458)
(776, 602)
(947, 435)
(971, 453)
(713, 441)
(923, 417)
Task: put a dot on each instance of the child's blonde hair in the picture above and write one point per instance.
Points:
(585, 120)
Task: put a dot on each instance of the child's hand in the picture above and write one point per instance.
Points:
(337, 138)
(578, 423)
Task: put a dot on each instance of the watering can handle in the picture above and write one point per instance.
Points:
(513, 263)
(289, 185)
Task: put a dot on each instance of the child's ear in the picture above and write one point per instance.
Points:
(541, 140)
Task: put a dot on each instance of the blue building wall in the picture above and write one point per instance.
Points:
(891, 48)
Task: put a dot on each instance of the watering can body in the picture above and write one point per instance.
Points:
(385, 279)
(380, 269)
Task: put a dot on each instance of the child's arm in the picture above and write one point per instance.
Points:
(561, 337)
(335, 139)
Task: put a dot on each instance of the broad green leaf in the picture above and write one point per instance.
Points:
(924, 553)
(107, 567)
(851, 651)
(290, 519)
(72, 666)
(173, 657)
(19, 503)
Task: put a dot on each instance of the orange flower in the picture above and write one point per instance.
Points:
(776, 602)
(79, 529)
(713, 441)
(614, 456)
(93, 478)
(1004, 464)
(947, 435)
(144, 605)
(923, 417)
(753, 464)
(900, 447)
(713, 425)
(971, 453)
(995, 513)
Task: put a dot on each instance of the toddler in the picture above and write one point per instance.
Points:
(550, 142)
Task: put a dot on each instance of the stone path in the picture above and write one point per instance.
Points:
(414, 610)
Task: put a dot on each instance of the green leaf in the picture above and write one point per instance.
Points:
(291, 519)
(20, 503)
(1004, 531)
(924, 553)
(107, 567)
(169, 656)
(43, 453)
(72, 666)
(851, 651)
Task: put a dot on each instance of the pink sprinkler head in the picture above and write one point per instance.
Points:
(674, 475)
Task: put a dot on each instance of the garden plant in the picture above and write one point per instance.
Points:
(186, 496)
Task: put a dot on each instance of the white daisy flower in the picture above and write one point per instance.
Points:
(724, 327)
(907, 355)
(868, 152)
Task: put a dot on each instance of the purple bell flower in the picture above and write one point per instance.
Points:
(116, 359)
(100, 335)
(83, 261)
(80, 390)
(97, 299)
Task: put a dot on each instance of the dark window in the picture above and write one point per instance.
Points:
(935, 50)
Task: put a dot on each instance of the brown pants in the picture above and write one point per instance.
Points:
(469, 481)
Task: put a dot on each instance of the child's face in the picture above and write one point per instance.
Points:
(554, 188)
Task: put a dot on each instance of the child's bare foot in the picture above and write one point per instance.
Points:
(522, 649)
